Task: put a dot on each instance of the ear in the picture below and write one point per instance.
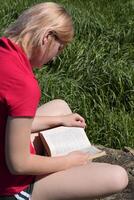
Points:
(47, 37)
(44, 41)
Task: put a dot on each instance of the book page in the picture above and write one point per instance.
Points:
(93, 150)
(62, 140)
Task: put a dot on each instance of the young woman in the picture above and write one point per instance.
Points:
(37, 36)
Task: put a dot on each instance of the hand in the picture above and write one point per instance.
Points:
(76, 158)
(73, 120)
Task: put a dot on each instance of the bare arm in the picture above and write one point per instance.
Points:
(18, 157)
(44, 122)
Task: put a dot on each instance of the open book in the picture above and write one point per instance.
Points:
(63, 140)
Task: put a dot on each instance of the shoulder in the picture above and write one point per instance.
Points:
(16, 80)
(13, 58)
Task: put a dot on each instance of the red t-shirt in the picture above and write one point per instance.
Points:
(19, 96)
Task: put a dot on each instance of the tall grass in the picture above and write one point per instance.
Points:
(95, 73)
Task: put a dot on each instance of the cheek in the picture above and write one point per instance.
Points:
(54, 51)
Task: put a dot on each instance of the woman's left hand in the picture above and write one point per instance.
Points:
(73, 120)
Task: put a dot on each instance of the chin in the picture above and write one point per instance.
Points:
(37, 66)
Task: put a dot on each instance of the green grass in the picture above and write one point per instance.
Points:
(95, 73)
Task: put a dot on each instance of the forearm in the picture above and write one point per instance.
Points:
(39, 165)
(44, 122)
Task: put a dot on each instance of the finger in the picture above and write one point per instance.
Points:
(80, 124)
(79, 118)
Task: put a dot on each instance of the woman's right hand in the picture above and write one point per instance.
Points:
(76, 158)
(73, 119)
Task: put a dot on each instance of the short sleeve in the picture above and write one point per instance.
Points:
(22, 96)
(19, 89)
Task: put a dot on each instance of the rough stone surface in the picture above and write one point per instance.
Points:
(126, 160)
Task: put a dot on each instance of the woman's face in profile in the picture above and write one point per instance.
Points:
(49, 50)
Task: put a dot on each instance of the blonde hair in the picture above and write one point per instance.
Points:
(38, 20)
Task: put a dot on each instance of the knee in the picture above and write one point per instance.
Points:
(120, 178)
(63, 107)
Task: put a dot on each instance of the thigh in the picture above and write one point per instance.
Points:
(83, 182)
(55, 107)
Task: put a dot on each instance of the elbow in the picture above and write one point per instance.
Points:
(19, 168)
(16, 170)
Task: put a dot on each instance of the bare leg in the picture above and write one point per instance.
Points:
(54, 108)
(83, 182)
